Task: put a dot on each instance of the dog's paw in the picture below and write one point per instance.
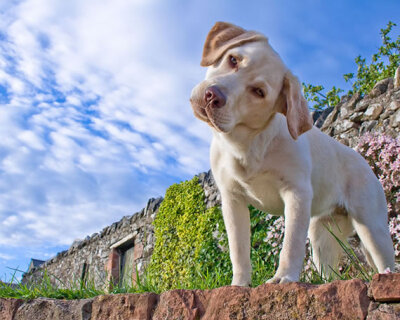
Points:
(240, 283)
(284, 279)
(241, 280)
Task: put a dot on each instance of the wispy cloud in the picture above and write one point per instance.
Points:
(91, 105)
(6, 257)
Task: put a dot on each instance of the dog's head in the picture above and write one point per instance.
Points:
(246, 84)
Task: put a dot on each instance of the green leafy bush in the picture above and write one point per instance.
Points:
(184, 236)
(383, 65)
(191, 248)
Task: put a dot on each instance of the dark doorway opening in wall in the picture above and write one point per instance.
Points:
(84, 273)
(127, 264)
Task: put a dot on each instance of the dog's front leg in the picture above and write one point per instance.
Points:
(237, 223)
(297, 220)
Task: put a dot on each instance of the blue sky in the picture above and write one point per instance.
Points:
(94, 110)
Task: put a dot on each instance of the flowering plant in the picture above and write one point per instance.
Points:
(382, 153)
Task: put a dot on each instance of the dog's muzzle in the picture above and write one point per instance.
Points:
(214, 98)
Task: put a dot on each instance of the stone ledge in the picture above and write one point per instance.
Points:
(386, 287)
(336, 300)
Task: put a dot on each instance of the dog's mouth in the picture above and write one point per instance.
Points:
(207, 114)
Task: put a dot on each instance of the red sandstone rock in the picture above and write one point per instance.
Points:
(8, 308)
(124, 306)
(52, 309)
(182, 304)
(112, 266)
(386, 287)
(336, 300)
(138, 251)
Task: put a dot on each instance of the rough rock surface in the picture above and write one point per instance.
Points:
(124, 306)
(337, 300)
(50, 309)
(386, 287)
(383, 311)
(87, 259)
(8, 308)
(353, 116)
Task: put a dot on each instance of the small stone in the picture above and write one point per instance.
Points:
(395, 119)
(344, 125)
(394, 105)
(344, 112)
(362, 104)
(386, 287)
(319, 117)
(386, 114)
(351, 103)
(397, 78)
(384, 311)
(380, 87)
(332, 116)
(373, 112)
(368, 126)
(356, 117)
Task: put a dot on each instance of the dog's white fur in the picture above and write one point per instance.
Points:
(260, 155)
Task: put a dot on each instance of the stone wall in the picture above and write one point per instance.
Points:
(345, 300)
(91, 258)
(379, 111)
(96, 258)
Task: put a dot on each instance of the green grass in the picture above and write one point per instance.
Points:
(261, 272)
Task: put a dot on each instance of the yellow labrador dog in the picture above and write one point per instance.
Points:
(265, 152)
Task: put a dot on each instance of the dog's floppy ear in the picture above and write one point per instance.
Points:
(222, 37)
(293, 105)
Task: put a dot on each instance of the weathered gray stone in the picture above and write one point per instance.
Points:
(362, 104)
(368, 126)
(356, 116)
(395, 119)
(397, 78)
(344, 125)
(381, 87)
(384, 311)
(319, 117)
(351, 103)
(394, 105)
(372, 112)
(345, 112)
(330, 118)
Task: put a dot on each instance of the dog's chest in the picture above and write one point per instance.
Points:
(262, 192)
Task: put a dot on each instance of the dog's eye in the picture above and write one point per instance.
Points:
(233, 61)
(259, 92)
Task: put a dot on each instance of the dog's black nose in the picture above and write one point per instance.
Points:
(214, 97)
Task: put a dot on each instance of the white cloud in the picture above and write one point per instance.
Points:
(6, 256)
(96, 120)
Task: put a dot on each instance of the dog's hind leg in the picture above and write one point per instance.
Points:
(326, 249)
(375, 237)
